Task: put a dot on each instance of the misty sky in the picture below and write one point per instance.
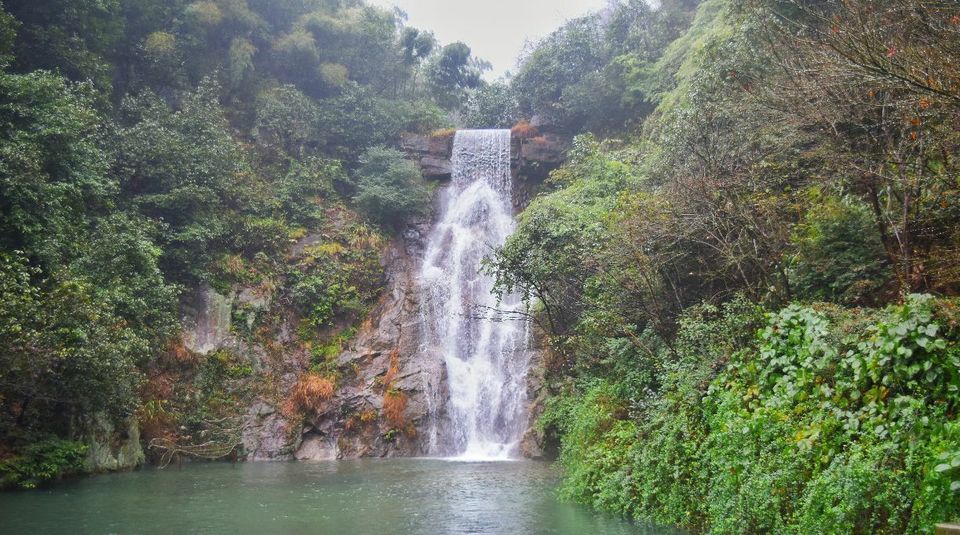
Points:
(494, 29)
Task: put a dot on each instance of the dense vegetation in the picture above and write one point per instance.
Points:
(746, 272)
(148, 149)
(747, 269)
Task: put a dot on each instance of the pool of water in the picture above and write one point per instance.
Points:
(402, 496)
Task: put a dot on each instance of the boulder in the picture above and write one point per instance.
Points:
(112, 446)
(316, 448)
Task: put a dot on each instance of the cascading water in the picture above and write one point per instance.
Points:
(482, 341)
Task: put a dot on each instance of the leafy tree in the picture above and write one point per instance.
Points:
(838, 254)
(389, 187)
(8, 35)
(184, 170)
(559, 62)
(452, 72)
(290, 119)
(53, 172)
(492, 106)
(74, 38)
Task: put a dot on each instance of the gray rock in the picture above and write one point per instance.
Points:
(436, 168)
(206, 320)
(110, 448)
(316, 448)
(267, 435)
(547, 149)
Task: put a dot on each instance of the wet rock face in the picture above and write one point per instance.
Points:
(206, 320)
(386, 350)
(352, 423)
(431, 152)
(546, 150)
(534, 443)
(267, 435)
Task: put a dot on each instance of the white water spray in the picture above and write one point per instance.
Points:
(483, 342)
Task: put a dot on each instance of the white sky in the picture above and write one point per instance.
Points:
(495, 30)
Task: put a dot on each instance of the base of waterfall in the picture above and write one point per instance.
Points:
(487, 452)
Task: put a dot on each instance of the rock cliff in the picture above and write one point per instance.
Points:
(387, 388)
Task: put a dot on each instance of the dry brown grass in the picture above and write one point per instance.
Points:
(178, 354)
(523, 130)
(394, 406)
(443, 133)
(387, 380)
(309, 393)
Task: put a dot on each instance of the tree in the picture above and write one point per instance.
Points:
(877, 83)
(492, 106)
(389, 187)
(452, 72)
(183, 170)
(289, 120)
(53, 172)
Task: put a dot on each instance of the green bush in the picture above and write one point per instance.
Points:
(389, 187)
(827, 421)
(43, 460)
(838, 255)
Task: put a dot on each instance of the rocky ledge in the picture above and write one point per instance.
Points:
(532, 156)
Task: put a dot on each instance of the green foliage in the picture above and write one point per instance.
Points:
(8, 33)
(288, 118)
(597, 73)
(305, 187)
(69, 37)
(839, 256)
(44, 460)
(337, 280)
(557, 64)
(826, 422)
(184, 169)
(53, 171)
(389, 187)
(453, 72)
(492, 106)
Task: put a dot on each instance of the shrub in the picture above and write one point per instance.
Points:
(43, 460)
(389, 187)
(838, 255)
(826, 421)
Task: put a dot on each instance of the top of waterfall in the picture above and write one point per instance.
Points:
(483, 155)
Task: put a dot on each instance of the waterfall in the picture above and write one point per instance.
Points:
(481, 340)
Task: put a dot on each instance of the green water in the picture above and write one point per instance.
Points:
(376, 497)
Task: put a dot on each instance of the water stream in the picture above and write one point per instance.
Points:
(482, 341)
